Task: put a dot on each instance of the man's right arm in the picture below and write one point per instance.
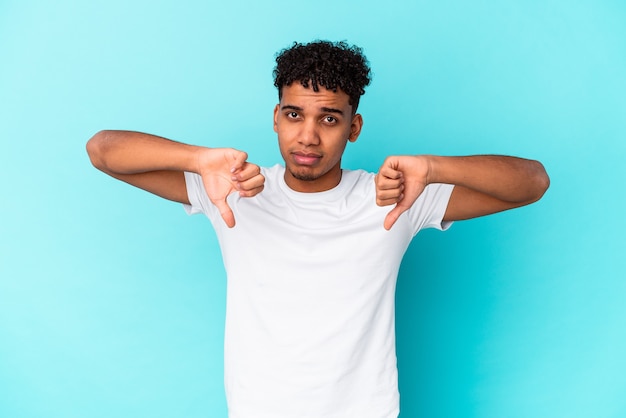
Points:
(157, 165)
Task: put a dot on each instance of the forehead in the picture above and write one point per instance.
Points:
(297, 95)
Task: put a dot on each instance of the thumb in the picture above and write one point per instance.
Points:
(226, 212)
(393, 216)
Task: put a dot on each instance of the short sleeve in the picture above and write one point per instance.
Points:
(198, 198)
(430, 207)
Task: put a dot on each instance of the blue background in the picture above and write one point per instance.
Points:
(112, 300)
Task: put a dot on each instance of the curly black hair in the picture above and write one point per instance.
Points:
(322, 63)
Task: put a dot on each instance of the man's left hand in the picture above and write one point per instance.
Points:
(400, 181)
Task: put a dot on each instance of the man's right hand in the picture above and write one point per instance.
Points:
(158, 164)
(224, 171)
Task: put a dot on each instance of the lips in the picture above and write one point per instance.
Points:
(304, 158)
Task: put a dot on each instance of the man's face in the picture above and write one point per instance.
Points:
(313, 129)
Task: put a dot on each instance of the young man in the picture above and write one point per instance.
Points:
(312, 251)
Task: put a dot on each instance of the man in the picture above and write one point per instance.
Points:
(312, 251)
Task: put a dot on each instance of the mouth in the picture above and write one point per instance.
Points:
(305, 158)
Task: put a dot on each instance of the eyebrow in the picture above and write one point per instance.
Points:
(291, 107)
(323, 109)
(332, 110)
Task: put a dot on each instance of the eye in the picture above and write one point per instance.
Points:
(330, 119)
(292, 115)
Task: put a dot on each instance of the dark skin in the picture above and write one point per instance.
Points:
(484, 184)
(313, 130)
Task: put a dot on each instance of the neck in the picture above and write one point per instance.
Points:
(308, 184)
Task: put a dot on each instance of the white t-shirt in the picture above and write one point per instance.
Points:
(310, 329)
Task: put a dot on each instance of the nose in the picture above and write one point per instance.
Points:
(309, 134)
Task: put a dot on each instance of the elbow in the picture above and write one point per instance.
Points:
(541, 181)
(96, 149)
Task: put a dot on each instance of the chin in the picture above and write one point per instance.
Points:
(303, 176)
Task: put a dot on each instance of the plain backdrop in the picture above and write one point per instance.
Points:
(112, 300)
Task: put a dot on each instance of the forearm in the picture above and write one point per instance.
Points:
(125, 152)
(508, 179)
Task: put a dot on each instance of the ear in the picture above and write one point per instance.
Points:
(355, 127)
(276, 109)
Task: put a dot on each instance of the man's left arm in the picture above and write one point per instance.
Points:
(484, 184)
